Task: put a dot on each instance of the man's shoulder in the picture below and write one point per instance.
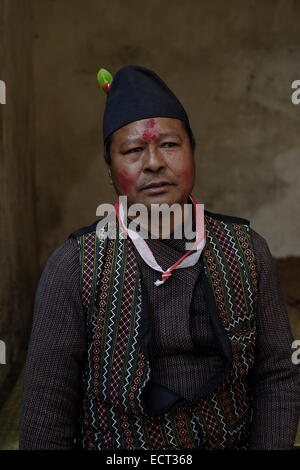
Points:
(227, 218)
(260, 244)
(84, 230)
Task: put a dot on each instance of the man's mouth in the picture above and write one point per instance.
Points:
(157, 186)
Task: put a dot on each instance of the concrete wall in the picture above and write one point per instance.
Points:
(231, 64)
(18, 253)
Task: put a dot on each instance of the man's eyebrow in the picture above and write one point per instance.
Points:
(138, 140)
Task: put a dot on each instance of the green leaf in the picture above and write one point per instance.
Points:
(103, 77)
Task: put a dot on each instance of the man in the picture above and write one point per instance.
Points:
(143, 344)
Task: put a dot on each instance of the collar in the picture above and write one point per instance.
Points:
(189, 258)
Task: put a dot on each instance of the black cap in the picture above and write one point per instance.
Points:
(138, 93)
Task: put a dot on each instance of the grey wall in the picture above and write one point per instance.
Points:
(18, 253)
(231, 64)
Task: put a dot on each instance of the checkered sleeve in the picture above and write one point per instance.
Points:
(52, 385)
(274, 379)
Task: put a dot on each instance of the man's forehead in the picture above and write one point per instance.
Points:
(156, 127)
(155, 121)
(134, 138)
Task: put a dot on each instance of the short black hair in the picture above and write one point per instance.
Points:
(107, 156)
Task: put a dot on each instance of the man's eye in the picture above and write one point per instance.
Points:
(169, 144)
(134, 150)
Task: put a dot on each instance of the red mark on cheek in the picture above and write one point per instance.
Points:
(150, 133)
(187, 177)
(124, 181)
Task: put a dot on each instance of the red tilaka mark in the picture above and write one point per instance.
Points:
(124, 181)
(150, 123)
(150, 133)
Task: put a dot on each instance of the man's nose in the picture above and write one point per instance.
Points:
(153, 159)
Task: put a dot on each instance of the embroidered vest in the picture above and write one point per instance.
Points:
(116, 378)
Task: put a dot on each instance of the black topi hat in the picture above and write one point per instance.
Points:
(136, 93)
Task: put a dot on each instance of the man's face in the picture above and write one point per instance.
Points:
(150, 152)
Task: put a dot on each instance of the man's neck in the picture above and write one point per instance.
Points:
(173, 224)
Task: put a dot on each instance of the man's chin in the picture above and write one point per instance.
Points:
(170, 197)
